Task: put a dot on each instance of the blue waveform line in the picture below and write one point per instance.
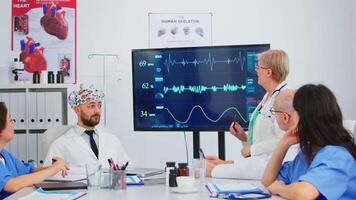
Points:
(206, 61)
(207, 117)
(202, 88)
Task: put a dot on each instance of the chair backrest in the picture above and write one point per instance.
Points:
(350, 125)
(52, 134)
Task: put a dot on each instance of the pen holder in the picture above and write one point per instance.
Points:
(118, 179)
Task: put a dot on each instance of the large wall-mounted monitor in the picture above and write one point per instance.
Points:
(195, 88)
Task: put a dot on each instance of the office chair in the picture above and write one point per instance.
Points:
(350, 125)
(52, 134)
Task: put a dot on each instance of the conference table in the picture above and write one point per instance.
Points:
(148, 191)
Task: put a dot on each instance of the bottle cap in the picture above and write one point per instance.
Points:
(170, 164)
(182, 165)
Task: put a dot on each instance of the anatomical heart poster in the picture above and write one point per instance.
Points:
(44, 35)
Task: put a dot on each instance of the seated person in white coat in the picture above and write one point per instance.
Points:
(86, 142)
(252, 167)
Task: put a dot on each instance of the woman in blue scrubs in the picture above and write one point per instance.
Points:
(14, 175)
(325, 168)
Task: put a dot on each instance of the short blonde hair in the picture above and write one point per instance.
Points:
(278, 61)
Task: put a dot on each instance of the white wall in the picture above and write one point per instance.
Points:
(318, 36)
(353, 7)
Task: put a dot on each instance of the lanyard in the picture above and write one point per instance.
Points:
(250, 130)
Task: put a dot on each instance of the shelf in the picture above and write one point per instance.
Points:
(35, 107)
(26, 85)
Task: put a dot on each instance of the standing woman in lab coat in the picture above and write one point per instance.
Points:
(263, 131)
(14, 174)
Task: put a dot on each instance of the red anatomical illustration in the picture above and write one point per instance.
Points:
(32, 56)
(21, 24)
(53, 21)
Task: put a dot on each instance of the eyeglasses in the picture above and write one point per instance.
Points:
(257, 66)
(277, 111)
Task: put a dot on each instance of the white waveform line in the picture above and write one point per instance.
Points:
(210, 61)
(212, 120)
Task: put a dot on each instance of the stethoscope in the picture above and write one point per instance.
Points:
(273, 95)
(245, 195)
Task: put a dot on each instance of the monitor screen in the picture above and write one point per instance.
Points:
(195, 88)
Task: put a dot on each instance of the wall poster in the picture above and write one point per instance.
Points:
(44, 35)
(180, 29)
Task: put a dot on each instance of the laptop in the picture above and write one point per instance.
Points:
(144, 172)
(61, 185)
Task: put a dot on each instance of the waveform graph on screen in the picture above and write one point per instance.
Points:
(198, 88)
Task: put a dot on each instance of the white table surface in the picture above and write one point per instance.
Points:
(154, 192)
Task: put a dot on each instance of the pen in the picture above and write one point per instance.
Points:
(124, 167)
(112, 164)
(117, 166)
(109, 161)
(201, 153)
(234, 122)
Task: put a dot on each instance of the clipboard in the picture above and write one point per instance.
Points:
(236, 191)
(61, 185)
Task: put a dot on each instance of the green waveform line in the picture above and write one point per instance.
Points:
(202, 88)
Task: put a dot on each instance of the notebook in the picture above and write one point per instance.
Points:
(61, 185)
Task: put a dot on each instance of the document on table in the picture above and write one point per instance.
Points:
(232, 188)
(40, 194)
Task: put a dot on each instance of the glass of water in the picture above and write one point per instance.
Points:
(93, 172)
(199, 169)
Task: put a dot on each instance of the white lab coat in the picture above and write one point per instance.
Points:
(266, 134)
(251, 167)
(77, 152)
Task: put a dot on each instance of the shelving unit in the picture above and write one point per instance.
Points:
(34, 108)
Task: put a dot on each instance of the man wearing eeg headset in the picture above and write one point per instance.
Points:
(87, 142)
(263, 132)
